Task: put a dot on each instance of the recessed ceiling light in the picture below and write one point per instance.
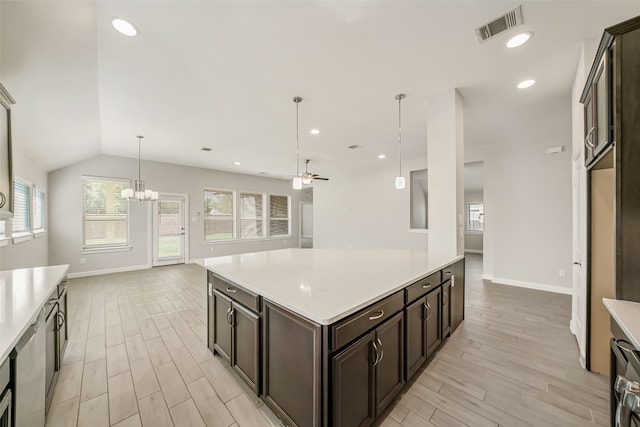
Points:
(236, 163)
(124, 27)
(382, 156)
(525, 84)
(519, 39)
(314, 131)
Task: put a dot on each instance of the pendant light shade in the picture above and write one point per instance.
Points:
(138, 192)
(400, 182)
(297, 181)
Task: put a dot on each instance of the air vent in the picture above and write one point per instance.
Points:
(354, 146)
(511, 19)
(206, 149)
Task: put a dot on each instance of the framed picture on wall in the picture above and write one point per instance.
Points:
(6, 160)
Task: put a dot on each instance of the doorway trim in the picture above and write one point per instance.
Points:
(300, 214)
(185, 214)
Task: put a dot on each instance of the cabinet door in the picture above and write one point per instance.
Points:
(600, 136)
(210, 316)
(433, 321)
(589, 127)
(390, 366)
(456, 274)
(246, 345)
(63, 328)
(51, 350)
(353, 384)
(446, 311)
(416, 318)
(222, 325)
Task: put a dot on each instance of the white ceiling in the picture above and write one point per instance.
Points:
(222, 75)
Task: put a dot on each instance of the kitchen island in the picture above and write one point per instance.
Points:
(328, 337)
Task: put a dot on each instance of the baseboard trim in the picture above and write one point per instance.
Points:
(531, 285)
(108, 271)
(572, 327)
(473, 251)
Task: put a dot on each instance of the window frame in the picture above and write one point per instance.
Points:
(22, 235)
(109, 247)
(468, 218)
(234, 215)
(270, 218)
(38, 231)
(263, 218)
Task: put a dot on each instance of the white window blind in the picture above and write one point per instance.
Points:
(38, 209)
(475, 217)
(219, 215)
(105, 214)
(279, 215)
(251, 216)
(21, 208)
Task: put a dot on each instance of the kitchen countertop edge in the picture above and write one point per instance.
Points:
(626, 314)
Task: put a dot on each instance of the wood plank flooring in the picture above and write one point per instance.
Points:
(137, 356)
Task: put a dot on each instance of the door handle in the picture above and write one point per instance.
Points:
(577, 263)
(229, 311)
(427, 307)
(61, 319)
(446, 298)
(375, 348)
(381, 349)
(376, 316)
(231, 290)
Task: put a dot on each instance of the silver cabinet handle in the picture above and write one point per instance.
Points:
(588, 139)
(447, 273)
(375, 347)
(381, 350)
(445, 299)
(427, 286)
(231, 290)
(376, 316)
(61, 319)
(229, 313)
(428, 308)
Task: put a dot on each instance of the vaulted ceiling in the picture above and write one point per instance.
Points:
(222, 75)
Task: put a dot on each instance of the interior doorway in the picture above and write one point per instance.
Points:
(306, 224)
(169, 229)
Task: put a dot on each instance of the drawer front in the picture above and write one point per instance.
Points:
(423, 286)
(236, 293)
(357, 324)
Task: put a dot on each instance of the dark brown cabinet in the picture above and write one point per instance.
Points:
(368, 374)
(235, 334)
(423, 330)
(445, 326)
(455, 273)
(597, 110)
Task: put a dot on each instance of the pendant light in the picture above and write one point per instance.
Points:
(400, 179)
(138, 192)
(297, 180)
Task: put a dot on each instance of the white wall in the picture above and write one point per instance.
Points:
(65, 195)
(34, 252)
(527, 197)
(363, 209)
(472, 241)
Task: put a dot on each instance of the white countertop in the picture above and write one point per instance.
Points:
(627, 315)
(326, 285)
(23, 293)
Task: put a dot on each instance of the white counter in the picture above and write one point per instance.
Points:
(23, 293)
(326, 285)
(627, 315)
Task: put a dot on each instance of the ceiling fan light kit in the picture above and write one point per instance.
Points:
(400, 182)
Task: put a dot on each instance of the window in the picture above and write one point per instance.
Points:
(279, 215)
(251, 216)
(38, 210)
(219, 215)
(105, 218)
(475, 217)
(21, 223)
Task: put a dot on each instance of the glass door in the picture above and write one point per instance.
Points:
(169, 230)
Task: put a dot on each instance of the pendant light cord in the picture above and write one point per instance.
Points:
(139, 153)
(297, 140)
(399, 98)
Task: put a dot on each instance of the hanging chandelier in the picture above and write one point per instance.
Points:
(400, 182)
(138, 192)
(297, 180)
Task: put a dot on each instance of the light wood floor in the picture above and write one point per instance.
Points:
(137, 355)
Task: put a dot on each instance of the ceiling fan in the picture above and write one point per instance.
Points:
(308, 177)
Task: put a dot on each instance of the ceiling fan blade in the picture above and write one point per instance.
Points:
(321, 179)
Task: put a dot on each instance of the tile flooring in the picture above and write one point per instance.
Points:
(137, 355)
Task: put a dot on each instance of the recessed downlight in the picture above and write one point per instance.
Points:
(236, 163)
(315, 131)
(526, 83)
(124, 27)
(382, 156)
(519, 39)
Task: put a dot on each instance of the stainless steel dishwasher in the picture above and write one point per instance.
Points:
(28, 358)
